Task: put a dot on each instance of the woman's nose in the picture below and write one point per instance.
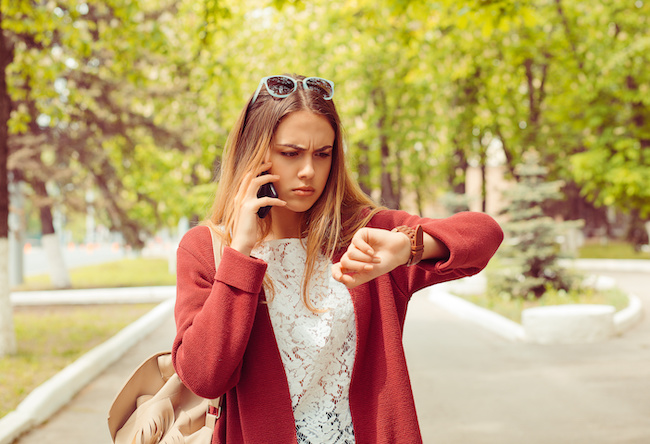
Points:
(307, 169)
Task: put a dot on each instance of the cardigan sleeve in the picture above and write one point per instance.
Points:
(471, 237)
(214, 312)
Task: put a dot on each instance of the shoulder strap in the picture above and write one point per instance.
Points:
(215, 404)
(216, 247)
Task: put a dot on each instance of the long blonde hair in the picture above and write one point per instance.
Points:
(341, 210)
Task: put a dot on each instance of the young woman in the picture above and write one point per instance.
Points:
(300, 325)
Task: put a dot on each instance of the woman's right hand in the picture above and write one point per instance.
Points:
(246, 204)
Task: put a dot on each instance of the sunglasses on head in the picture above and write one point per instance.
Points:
(282, 86)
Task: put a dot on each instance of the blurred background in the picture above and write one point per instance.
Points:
(114, 113)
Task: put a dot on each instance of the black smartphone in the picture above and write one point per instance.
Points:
(266, 190)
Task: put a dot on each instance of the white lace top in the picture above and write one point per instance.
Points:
(317, 348)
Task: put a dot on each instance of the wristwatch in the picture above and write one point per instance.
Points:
(417, 242)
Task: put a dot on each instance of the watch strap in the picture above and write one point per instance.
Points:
(416, 235)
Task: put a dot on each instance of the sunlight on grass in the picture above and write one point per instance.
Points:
(512, 308)
(138, 272)
(49, 338)
(611, 250)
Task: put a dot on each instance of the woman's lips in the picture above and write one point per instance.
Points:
(303, 191)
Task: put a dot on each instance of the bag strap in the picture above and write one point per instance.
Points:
(214, 407)
(216, 247)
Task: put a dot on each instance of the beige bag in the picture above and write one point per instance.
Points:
(155, 407)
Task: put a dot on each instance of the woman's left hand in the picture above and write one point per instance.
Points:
(371, 253)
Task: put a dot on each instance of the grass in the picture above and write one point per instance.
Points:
(51, 337)
(610, 250)
(512, 308)
(140, 272)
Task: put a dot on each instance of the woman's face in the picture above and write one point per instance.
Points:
(301, 153)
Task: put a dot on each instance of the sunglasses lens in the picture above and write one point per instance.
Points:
(281, 86)
(321, 86)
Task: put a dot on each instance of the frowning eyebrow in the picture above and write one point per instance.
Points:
(298, 147)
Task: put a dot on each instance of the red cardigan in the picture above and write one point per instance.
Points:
(225, 341)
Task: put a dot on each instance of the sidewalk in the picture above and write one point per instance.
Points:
(470, 385)
(83, 420)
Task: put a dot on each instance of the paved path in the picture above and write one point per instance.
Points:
(471, 387)
(83, 420)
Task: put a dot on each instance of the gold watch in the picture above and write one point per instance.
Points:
(416, 236)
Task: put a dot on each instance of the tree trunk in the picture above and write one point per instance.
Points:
(363, 167)
(58, 272)
(483, 160)
(388, 195)
(636, 230)
(458, 171)
(7, 332)
(17, 223)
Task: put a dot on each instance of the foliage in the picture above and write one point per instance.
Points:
(613, 166)
(531, 252)
(133, 99)
(90, 105)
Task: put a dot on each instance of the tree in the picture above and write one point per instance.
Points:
(99, 105)
(88, 103)
(7, 333)
(612, 164)
(532, 251)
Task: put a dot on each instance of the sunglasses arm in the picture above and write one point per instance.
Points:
(257, 91)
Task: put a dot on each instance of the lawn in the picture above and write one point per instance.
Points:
(610, 250)
(139, 272)
(51, 337)
(512, 308)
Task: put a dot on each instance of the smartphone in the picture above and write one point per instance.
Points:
(266, 190)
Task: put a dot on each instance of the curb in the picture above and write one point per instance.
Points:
(635, 265)
(629, 316)
(506, 328)
(57, 391)
(128, 295)
(483, 317)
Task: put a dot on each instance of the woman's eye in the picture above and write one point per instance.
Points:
(324, 155)
(290, 153)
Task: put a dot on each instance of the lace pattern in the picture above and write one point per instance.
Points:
(317, 348)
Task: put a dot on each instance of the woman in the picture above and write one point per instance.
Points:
(300, 325)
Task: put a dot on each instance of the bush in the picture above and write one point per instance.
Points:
(531, 252)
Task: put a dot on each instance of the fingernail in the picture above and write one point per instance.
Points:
(367, 267)
(376, 259)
